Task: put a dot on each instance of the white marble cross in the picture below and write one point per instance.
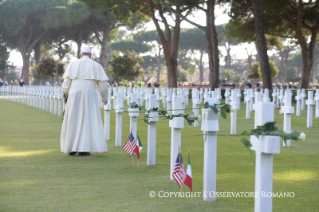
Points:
(287, 110)
(317, 103)
(51, 99)
(298, 102)
(201, 95)
(186, 91)
(169, 100)
(227, 95)
(115, 89)
(280, 99)
(252, 96)
(219, 94)
(163, 94)
(239, 95)
(310, 103)
(151, 135)
(210, 127)
(233, 113)
(258, 98)
(196, 103)
(107, 116)
(59, 101)
(274, 95)
(205, 94)
(248, 100)
(303, 98)
(133, 113)
(118, 110)
(266, 96)
(176, 125)
(265, 146)
(157, 93)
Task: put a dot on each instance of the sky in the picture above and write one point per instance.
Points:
(199, 18)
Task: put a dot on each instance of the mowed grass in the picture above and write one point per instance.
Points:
(36, 176)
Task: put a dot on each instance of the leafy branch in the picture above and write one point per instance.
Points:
(135, 105)
(270, 129)
(223, 108)
(65, 97)
(164, 114)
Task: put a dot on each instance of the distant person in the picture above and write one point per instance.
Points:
(149, 85)
(16, 83)
(82, 128)
(248, 84)
(290, 85)
(21, 83)
(1, 82)
(47, 83)
(11, 83)
(6, 83)
(156, 84)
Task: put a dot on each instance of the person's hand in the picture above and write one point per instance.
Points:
(105, 103)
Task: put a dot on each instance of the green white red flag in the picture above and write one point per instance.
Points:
(188, 178)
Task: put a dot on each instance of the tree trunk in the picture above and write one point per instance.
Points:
(228, 58)
(79, 42)
(37, 52)
(286, 65)
(261, 45)
(308, 51)
(103, 55)
(170, 46)
(159, 64)
(201, 68)
(25, 67)
(282, 71)
(211, 36)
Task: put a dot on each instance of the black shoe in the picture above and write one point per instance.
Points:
(84, 153)
(72, 153)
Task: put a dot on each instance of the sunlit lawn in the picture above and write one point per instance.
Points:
(36, 176)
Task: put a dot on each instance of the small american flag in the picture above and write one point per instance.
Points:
(179, 173)
(130, 144)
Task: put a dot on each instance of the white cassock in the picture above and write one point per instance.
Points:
(82, 128)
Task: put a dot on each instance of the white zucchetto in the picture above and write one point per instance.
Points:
(85, 49)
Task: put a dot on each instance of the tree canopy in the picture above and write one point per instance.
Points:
(25, 22)
(126, 66)
(298, 20)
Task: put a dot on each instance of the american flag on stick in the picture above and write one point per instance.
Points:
(179, 173)
(130, 146)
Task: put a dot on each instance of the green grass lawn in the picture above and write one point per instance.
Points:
(36, 176)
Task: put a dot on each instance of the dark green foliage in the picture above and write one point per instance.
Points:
(269, 128)
(130, 45)
(164, 114)
(255, 73)
(49, 67)
(182, 75)
(223, 108)
(126, 66)
(135, 105)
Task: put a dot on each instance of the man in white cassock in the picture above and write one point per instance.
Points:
(82, 128)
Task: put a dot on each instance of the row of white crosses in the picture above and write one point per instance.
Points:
(42, 97)
(265, 146)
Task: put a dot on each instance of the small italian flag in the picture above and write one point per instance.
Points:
(188, 178)
(278, 107)
(139, 145)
